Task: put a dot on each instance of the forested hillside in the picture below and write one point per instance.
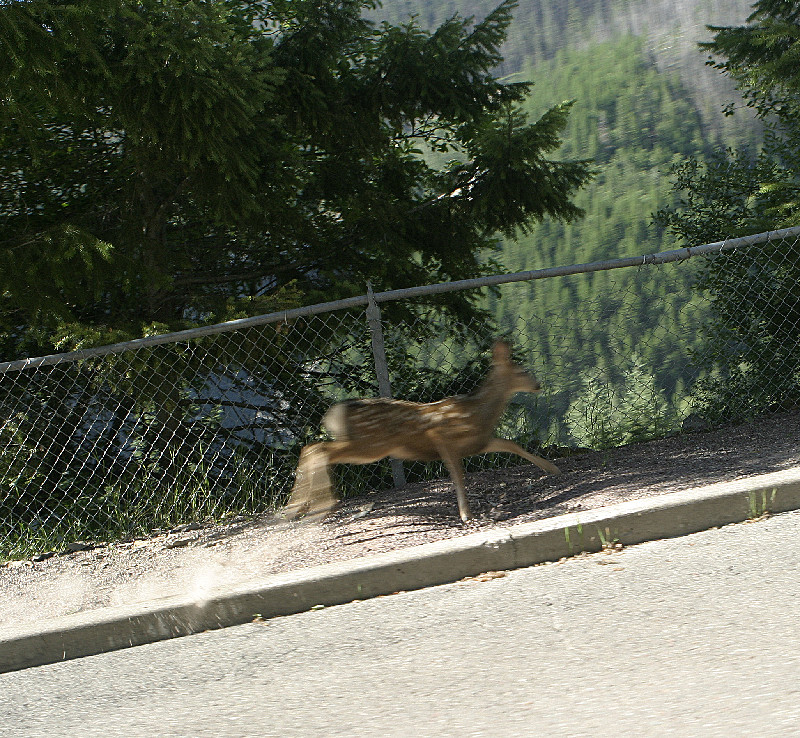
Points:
(634, 121)
(644, 100)
(670, 30)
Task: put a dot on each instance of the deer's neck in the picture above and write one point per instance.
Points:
(492, 397)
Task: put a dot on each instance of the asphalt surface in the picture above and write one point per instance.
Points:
(691, 636)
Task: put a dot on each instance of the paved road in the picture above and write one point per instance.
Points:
(697, 636)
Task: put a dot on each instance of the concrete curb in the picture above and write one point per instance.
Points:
(628, 523)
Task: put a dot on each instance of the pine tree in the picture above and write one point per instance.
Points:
(167, 163)
(752, 354)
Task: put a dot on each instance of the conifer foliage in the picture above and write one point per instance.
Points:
(165, 163)
(754, 331)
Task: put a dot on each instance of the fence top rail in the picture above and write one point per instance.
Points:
(662, 257)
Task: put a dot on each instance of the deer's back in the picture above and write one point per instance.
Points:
(410, 426)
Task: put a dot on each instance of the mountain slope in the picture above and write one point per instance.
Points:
(643, 100)
(670, 30)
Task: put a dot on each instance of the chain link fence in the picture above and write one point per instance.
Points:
(204, 424)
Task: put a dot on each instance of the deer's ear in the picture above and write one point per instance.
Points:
(501, 352)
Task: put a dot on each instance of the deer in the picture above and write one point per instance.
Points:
(368, 430)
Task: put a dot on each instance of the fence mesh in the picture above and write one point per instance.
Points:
(155, 436)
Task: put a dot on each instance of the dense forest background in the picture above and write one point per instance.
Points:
(645, 100)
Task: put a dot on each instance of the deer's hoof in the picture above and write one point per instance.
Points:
(293, 512)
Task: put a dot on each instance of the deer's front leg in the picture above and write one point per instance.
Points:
(453, 463)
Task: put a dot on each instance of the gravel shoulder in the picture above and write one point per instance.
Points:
(192, 561)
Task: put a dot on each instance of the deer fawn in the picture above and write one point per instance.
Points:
(369, 430)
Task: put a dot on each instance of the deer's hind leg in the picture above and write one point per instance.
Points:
(503, 445)
(312, 496)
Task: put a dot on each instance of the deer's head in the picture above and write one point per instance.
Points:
(512, 375)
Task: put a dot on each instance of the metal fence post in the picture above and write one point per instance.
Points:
(382, 369)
